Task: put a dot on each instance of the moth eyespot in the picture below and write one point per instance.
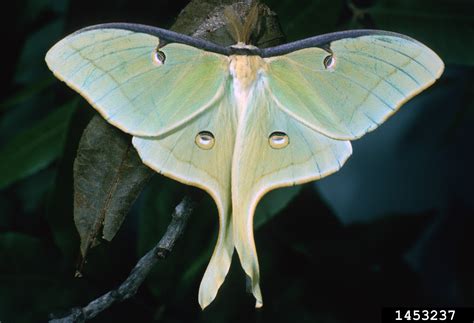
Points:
(329, 62)
(159, 57)
(205, 140)
(278, 140)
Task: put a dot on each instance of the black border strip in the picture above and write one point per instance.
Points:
(173, 37)
(167, 35)
(325, 39)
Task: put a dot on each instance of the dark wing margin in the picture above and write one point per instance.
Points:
(324, 40)
(169, 36)
(163, 34)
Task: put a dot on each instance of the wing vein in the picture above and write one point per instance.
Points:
(386, 62)
(410, 57)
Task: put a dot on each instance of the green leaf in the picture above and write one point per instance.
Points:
(32, 278)
(34, 8)
(33, 192)
(157, 204)
(445, 26)
(31, 66)
(21, 253)
(26, 93)
(308, 16)
(274, 202)
(35, 148)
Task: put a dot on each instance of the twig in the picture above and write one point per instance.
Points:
(130, 286)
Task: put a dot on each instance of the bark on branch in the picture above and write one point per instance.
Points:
(130, 286)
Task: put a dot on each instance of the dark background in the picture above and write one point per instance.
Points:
(393, 227)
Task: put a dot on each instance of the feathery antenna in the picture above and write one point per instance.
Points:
(234, 24)
(241, 32)
(250, 22)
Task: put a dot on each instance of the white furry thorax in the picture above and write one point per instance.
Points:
(245, 71)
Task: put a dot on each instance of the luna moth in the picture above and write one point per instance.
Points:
(240, 121)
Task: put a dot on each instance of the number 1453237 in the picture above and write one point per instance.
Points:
(452, 315)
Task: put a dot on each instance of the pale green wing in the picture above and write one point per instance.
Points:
(119, 73)
(355, 85)
(258, 167)
(177, 155)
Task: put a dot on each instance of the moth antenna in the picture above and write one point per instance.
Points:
(234, 24)
(251, 21)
